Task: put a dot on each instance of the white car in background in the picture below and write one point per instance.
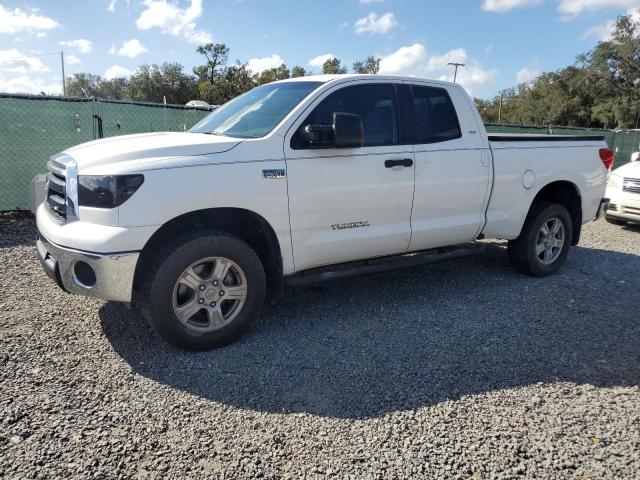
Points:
(623, 192)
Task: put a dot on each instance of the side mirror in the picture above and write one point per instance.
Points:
(348, 131)
(318, 136)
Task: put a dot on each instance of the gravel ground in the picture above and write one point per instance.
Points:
(464, 369)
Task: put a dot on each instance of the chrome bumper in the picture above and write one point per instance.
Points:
(113, 271)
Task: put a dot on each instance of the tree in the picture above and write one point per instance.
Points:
(153, 83)
(217, 56)
(333, 66)
(371, 65)
(600, 90)
(113, 89)
(298, 71)
(273, 74)
(82, 85)
(234, 81)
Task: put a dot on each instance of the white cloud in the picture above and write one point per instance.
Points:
(526, 74)
(374, 24)
(19, 21)
(318, 61)
(572, 8)
(15, 61)
(116, 71)
(257, 65)
(25, 84)
(72, 60)
(603, 32)
(81, 44)
(173, 20)
(413, 60)
(112, 6)
(132, 48)
(370, 2)
(502, 6)
(113, 50)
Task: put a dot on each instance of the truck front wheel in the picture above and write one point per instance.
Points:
(543, 245)
(202, 292)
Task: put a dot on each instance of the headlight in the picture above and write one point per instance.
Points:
(614, 181)
(107, 191)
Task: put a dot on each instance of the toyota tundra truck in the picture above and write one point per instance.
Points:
(300, 181)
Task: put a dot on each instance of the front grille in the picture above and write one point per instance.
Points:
(55, 194)
(631, 210)
(631, 185)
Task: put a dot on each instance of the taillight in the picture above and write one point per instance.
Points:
(607, 156)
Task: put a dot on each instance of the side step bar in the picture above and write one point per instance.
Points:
(318, 275)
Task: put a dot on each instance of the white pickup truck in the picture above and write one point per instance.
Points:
(300, 181)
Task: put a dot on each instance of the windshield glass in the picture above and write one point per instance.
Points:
(255, 113)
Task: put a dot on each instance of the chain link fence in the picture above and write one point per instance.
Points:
(32, 128)
(35, 127)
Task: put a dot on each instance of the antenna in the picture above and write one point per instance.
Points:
(64, 87)
(456, 65)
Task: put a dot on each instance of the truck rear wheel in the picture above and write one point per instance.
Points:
(203, 291)
(543, 245)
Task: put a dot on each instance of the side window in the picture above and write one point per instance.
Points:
(375, 104)
(436, 116)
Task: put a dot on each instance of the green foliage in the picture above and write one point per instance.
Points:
(601, 90)
(298, 71)
(333, 66)
(233, 81)
(217, 56)
(83, 85)
(153, 83)
(272, 74)
(370, 65)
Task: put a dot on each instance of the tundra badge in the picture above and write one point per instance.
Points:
(342, 226)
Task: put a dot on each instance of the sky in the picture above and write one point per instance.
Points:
(501, 42)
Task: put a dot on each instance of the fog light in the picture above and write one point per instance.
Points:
(84, 274)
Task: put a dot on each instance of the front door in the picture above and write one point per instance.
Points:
(350, 203)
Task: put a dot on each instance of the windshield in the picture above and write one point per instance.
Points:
(255, 113)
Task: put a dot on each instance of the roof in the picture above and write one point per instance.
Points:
(356, 76)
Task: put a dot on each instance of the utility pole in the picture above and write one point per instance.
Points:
(64, 87)
(500, 108)
(455, 73)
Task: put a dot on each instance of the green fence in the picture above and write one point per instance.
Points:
(32, 128)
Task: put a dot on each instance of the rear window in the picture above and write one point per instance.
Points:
(436, 117)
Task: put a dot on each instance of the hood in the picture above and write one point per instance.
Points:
(631, 169)
(147, 148)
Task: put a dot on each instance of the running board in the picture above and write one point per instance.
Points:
(317, 275)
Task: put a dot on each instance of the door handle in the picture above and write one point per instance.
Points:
(405, 162)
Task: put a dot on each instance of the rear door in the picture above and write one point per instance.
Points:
(452, 172)
(350, 203)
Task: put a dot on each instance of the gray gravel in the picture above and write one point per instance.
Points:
(464, 369)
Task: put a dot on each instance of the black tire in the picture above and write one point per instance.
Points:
(157, 288)
(522, 250)
(615, 221)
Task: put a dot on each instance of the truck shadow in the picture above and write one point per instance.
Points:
(366, 347)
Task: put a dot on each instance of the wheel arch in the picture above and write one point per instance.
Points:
(567, 194)
(245, 224)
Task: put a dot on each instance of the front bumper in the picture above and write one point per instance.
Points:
(113, 272)
(623, 205)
